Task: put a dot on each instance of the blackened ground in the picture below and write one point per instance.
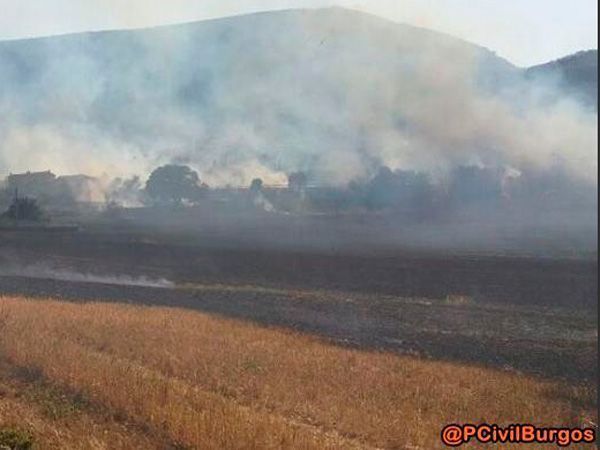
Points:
(550, 342)
(571, 283)
(531, 314)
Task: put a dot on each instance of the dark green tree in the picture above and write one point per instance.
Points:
(256, 185)
(297, 181)
(24, 208)
(172, 184)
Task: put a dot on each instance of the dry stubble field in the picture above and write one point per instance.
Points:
(120, 376)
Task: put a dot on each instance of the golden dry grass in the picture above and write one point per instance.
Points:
(209, 382)
(57, 422)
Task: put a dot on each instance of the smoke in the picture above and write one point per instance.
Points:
(46, 272)
(124, 192)
(334, 93)
(64, 150)
(260, 201)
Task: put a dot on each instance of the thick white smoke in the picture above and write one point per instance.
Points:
(332, 92)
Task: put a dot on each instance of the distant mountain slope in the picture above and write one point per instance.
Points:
(577, 74)
(333, 92)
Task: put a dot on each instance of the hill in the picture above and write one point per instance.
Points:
(265, 94)
(576, 74)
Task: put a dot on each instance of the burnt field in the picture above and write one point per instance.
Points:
(534, 315)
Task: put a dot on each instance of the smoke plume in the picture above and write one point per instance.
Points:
(334, 93)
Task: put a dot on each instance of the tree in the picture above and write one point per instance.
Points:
(173, 184)
(476, 185)
(256, 185)
(399, 189)
(297, 181)
(24, 208)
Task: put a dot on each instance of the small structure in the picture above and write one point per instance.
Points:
(31, 184)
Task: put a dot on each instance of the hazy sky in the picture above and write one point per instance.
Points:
(524, 31)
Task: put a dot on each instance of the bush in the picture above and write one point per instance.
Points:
(24, 209)
(13, 439)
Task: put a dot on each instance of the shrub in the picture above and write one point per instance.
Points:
(13, 439)
(24, 208)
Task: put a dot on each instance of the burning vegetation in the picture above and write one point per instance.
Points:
(409, 192)
(470, 207)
